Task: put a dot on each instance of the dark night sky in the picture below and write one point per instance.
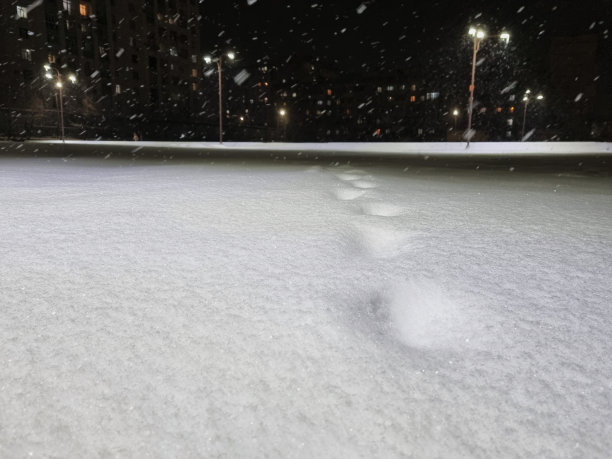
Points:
(388, 34)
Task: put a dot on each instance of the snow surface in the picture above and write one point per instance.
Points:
(404, 149)
(160, 309)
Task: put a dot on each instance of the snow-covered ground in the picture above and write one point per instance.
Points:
(160, 309)
(311, 150)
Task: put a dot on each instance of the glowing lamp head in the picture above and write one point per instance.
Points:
(231, 56)
(540, 97)
(72, 78)
(59, 84)
(47, 67)
(282, 112)
(207, 59)
(505, 36)
(472, 31)
(480, 34)
(48, 76)
(455, 112)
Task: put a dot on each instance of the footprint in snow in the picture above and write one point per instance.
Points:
(349, 177)
(364, 184)
(381, 241)
(348, 194)
(381, 209)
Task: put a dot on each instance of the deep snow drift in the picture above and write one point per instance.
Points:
(207, 309)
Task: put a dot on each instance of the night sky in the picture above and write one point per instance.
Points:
(376, 35)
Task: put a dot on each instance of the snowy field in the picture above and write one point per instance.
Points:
(214, 309)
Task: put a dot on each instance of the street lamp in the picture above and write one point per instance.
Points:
(60, 85)
(455, 115)
(477, 35)
(282, 113)
(526, 99)
(219, 60)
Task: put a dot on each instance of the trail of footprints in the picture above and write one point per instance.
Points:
(378, 239)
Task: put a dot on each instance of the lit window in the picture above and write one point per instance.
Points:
(390, 88)
(194, 73)
(51, 58)
(511, 109)
(432, 95)
(84, 9)
(379, 90)
(26, 54)
(117, 89)
(412, 98)
(413, 87)
(194, 86)
(329, 92)
(67, 5)
(22, 12)
(510, 121)
(498, 109)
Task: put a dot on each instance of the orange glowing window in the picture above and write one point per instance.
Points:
(83, 9)
(329, 92)
(511, 109)
(499, 109)
(412, 98)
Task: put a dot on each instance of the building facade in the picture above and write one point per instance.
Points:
(137, 63)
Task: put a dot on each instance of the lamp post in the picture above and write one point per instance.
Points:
(455, 115)
(478, 35)
(526, 99)
(60, 85)
(219, 60)
(282, 113)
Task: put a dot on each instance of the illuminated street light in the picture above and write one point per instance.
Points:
(526, 99)
(219, 60)
(455, 115)
(478, 35)
(60, 85)
(282, 122)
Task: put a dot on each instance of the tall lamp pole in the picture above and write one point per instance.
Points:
(478, 35)
(60, 85)
(526, 99)
(219, 60)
